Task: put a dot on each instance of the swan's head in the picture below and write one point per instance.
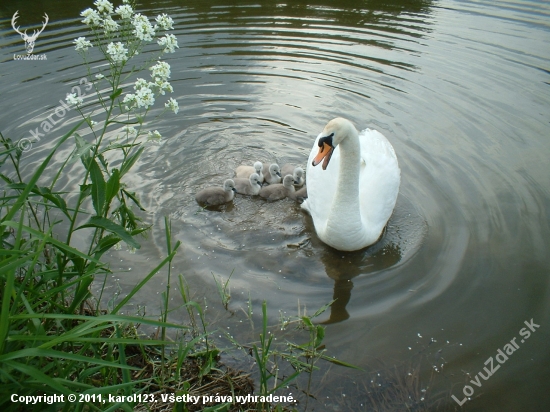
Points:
(229, 185)
(254, 179)
(274, 169)
(332, 135)
(258, 166)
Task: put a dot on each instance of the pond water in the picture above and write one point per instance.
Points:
(462, 91)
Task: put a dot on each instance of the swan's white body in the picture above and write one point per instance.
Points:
(352, 200)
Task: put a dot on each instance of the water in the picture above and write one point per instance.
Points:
(462, 91)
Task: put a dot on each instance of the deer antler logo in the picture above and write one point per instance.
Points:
(29, 40)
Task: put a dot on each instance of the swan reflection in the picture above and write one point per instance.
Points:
(342, 267)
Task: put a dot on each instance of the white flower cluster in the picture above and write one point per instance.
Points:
(143, 29)
(74, 100)
(125, 11)
(169, 42)
(104, 6)
(154, 135)
(102, 19)
(117, 52)
(130, 130)
(143, 96)
(82, 44)
(145, 91)
(160, 71)
(173, 105)
(91, 17)
(110, 24)
(165, 22)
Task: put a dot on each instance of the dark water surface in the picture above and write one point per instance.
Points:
(462, 91)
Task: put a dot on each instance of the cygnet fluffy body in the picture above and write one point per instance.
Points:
(279, 191)
(296, 172)
(215, 196)
(245, 171)
(272, 174)
(250, 186)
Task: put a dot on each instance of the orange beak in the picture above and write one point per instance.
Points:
(325, 152)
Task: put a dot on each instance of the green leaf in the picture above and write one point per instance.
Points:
(132, 196)
(23, 196)
(319, 336)
(48, 239)
(98, 187)
(117, 93)
(112, 187)
(106, 243)
(82, 149)
(110, 226)
(82, 293)
(129, 162)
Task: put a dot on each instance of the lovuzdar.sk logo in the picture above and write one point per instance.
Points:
(29, 39)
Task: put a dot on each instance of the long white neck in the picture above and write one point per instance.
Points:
(345, 212)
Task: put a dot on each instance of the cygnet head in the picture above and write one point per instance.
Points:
(298, 173)
(274, 169)
(258, 167)
(288, 182)
(255, 179)
(229, 185)
(332, 135)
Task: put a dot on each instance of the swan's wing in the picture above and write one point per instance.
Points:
(321, 186)
(379, 179)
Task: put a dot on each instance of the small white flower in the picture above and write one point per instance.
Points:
(155, 135)
(109, 25)
(91, 17)
(140, 84)
(130, 101)
(82, 44)
(169, 42)
(164, 21)
(163, 87)
(129, 130)
(145, 97)
(117, 52)
(143, 29)
(74, 100)
(160, 71)
(104, 6)
(99, 76)
(173, 105)
(125, 11)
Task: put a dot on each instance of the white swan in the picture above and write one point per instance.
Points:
(352, 196)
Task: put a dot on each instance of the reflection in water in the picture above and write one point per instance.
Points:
(342, 267)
